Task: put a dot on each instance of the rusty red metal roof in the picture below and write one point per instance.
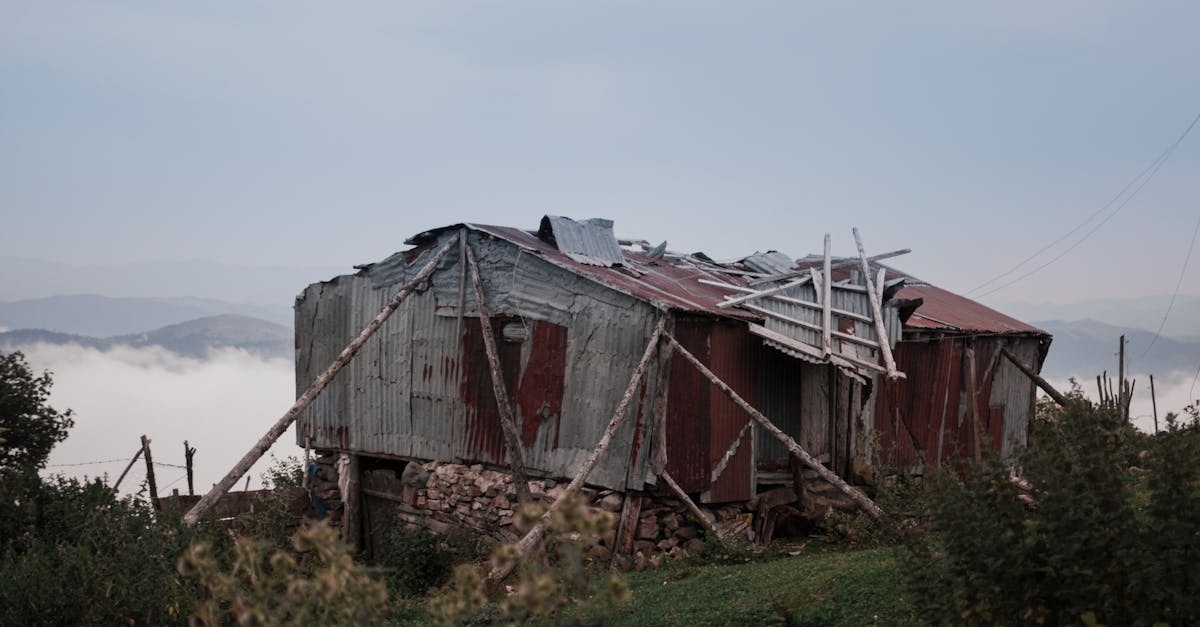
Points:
(944, 310)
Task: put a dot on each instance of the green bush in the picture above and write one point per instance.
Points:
(416, 559)
(73, 554)
(1106, 530)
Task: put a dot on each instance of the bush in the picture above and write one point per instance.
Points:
(1110, 535)
(29, 426)
(418, 559)
(73, 554)
(319, 584)
(544, 588)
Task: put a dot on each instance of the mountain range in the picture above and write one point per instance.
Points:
(193, 338)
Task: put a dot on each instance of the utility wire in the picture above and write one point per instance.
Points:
(1182, 271)
(100, 461)
(1146, 174)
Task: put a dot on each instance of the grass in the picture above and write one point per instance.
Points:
(824, 588)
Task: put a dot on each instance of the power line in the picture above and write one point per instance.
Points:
(99, 461)
(1175, 294)
(1144, 176)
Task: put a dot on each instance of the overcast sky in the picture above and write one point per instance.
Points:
(323, 134)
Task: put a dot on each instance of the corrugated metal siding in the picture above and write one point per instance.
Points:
(1015, 392)
(779, 398)
(323, 328)
(587, 241)
(734, 358)
(688, 401)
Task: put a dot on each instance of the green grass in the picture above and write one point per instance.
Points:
(815, 588)
(830, 588)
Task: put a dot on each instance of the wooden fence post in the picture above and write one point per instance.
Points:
(188, 452)
(150, 472)
(126, 471)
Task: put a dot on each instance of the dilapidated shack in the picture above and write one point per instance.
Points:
(569, 308)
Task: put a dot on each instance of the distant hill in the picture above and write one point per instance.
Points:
(1134, 313)
(105, 316)
(1087, 347)
(193, 338)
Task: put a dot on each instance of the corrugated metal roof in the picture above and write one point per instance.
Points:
(770, 262)
(947, 311)
(587, 241)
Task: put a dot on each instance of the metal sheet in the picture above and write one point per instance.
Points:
(586, 241)
(770, 262)
(733, 355)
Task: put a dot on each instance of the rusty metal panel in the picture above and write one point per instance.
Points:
(733, 357)
(688, 402)
(323, 329)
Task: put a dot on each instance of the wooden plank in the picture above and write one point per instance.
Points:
(352, 517)
(631, 511)
(537, 533)
(719, 469)
(508, 425)
(701, 516)
(973, 401)
(1042, 383)
(260, 447)
(793, 301)
(855, 494)
(827, 301)
(808, 325)
(885, 348)
(841, 263)
(761, 293)
(836, 359)
(658, 442)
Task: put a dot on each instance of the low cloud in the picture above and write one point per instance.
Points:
(221, 405)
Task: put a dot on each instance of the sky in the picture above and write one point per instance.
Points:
(322, 135)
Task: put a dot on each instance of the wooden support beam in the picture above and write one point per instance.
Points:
(150, 472)
(701, 516)
(1036, 378)
(537, 533)
(826, 300)
(662, 389)
(136, 455)
(794, 301)
(462, 280)
(812, 327)
(761, 293)
(841, 263)
(260, 447)
(631, 511)
(855, 494)
(508, 424)
(885, 348)
(729, 453)
(352, 516)
(973, 401)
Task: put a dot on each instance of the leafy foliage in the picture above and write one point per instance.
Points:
(1106, 530)
(318, 584)
(418, 559)
(30, 427)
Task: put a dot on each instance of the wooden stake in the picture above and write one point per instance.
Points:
(188, 452)
(855, 495)
(150, 472)
(307, 460)
(1042, 383)
(631, 510)
(826, 298)
(1154, 403)
(508, 424)
(885, 348)
(260, 447)
(535, 535)
(973, 400)
(351, 520)
(841, 263)
(126, 471)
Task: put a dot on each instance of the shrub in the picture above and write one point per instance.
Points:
(418, 559)
(318, 584)
(1104, 538)
(544, 588)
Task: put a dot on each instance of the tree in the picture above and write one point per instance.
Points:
(30, 426)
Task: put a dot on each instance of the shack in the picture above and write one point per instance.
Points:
(759, 373)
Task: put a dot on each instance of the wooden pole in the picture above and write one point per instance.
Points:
(700, 515)
(973, 399)
(150, 472)
(855, 494)
(1036, 378)
(826, 297)
(535, 535)
(307, 460)
(730, 302)
(1154, 403)
(508, 424)
(885, 348)
(188, 452)
(658, 450)
(126, 471)
(462, 279)
(1121, 381)
(260, 447)
(352, 518)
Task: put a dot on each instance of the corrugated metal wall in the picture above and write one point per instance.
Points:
(412, 393)
(924, 421)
